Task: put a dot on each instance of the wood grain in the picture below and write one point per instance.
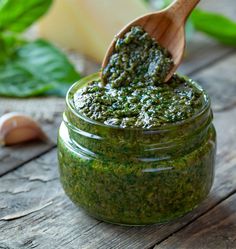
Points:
(219, 82)
(201, 52)
(214, 230)
(15, 156)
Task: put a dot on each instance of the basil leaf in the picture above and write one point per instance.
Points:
(41, 57)
(17, 15)
(36, 68)
(16, 81)
(189, 29)
(218, 26)
(8, 44)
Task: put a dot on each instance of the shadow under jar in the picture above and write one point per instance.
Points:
(135, 176)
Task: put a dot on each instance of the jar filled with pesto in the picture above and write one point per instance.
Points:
(134, 149)
(135, 175)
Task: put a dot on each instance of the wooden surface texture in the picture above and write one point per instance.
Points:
(35, 212)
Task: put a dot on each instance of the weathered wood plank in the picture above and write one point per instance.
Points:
(61, 224)
(202, 51)
(15, 156)
(214, 230)
(219, 81)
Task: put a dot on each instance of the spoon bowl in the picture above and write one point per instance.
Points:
(167, 27)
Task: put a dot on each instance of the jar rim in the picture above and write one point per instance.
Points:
(165, 127)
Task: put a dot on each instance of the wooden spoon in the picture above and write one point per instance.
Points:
(167, 27)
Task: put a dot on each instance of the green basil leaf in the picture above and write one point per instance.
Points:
(215, 25)
(36, 68)
(17, 15)
(189, 29)
(16, 81)
(43, 58)
(8, 44)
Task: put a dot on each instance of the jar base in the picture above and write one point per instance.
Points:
(164, 221)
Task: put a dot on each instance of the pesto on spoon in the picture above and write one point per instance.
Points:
(135, 95)
(167, 29)
(136, 58)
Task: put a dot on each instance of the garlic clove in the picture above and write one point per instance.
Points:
(17, 128)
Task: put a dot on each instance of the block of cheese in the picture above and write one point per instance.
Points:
(88, 26)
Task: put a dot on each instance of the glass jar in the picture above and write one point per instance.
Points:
(136, 176)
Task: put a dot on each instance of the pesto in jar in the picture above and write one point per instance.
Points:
(142, 105)
(135, 95)
(137, 151)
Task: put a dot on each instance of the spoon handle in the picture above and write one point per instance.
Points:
(182, 8)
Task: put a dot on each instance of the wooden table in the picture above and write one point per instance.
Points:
(35, 212)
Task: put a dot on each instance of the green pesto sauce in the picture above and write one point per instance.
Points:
(135, 95)
(136, 192)
(137, 58)
(142, 105)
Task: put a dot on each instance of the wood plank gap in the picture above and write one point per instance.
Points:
(29, 160)
(213, 62)
(196, 218)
